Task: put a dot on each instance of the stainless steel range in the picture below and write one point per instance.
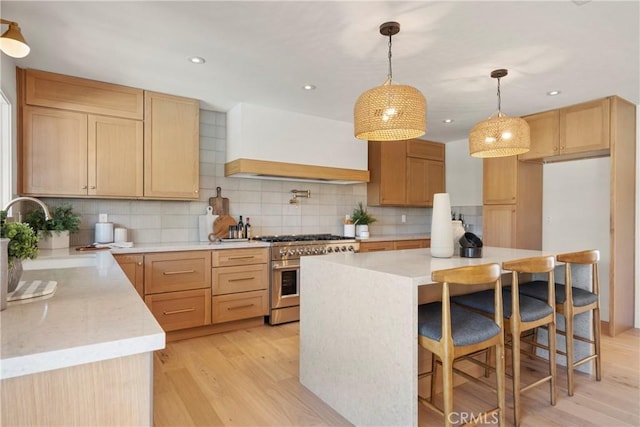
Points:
(285, 268)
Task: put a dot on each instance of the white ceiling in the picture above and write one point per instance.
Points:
(264, 52)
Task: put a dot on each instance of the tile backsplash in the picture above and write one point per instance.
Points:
(265, 201)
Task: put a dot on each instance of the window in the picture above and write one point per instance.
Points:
(6, 168)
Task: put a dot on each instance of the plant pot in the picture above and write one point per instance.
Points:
(14, 274)
(57, 240)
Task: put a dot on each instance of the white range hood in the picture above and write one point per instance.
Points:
(274, 144)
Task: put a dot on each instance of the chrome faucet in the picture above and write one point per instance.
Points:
(47, 214)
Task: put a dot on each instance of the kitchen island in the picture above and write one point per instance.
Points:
(359, 328)
(83, 355)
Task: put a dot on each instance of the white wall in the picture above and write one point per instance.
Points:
(8, 88)
(463, 175)
(575, 209)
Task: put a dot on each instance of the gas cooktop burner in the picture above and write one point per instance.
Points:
(301, 238)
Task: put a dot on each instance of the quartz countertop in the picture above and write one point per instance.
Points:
(94, 314)
(188, 246)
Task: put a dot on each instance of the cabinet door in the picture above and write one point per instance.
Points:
(171, 147)
(585, 127)
(133, 268)
(499, 226)
(115, 157)
(387, 165)
(545, 135)
(500, 180)
(424, 179)
(54, 152)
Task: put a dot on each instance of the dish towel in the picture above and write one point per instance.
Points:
(32, 289)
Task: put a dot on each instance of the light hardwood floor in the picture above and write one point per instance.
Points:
(250, 378)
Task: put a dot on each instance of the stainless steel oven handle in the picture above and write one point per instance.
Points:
(285, 267)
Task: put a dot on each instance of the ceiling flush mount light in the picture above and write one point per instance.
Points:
(499, 135)
(12, 42)
(553, 92)
(447, 121)
(390, 112)
(197, 60)
(308, 87)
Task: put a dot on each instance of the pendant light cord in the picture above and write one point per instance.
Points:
(499, 98)
(390, 73)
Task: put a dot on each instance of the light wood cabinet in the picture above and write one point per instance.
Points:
(178, 288)
(512, 203)
(63, 92)
(171, 147)
(391, 245)
(83, 138)
(240, 284)
(405, 173)
(66, 153)
(574, 132)
(133, 268)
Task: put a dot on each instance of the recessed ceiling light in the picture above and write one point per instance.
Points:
(308, 87)
(447, 121)
(553, 93)
(197, 60)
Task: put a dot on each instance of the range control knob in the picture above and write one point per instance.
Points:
(291, 252)
(323, 250)
(351, 249)
(329, 249)
(283, 252)
(343, 249)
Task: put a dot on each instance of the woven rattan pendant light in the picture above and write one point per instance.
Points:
(499, 136)
(390, 112)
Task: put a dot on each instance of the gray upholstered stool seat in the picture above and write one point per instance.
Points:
(466, 327)
(538, 289)
(531, 309)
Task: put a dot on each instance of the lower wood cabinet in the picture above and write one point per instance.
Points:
(238, 306)
(392, 245)
(182, 309)
(133, 268)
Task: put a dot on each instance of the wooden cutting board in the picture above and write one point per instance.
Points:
(221, 226)
(220, 204)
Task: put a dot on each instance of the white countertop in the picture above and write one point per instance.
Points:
(417, 264)
(188, 246)
(95, 314)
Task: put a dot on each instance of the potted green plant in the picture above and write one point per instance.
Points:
(23, 244)
(361, 218)
(54, 233)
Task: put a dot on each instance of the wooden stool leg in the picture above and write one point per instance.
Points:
(434, 373)
(515, 357)
(596, 339)
(568, 327)
(447, 391)
(487, 362)
(552, 362)
(500, 379)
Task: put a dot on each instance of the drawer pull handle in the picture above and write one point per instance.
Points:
(240, 306)
(242, 278)
(169, 273)
(184, 310)
(241, 257)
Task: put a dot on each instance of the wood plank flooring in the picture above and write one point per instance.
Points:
(250, 378)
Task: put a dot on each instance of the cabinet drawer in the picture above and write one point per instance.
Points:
(376, 246)
(180, 310)
(411, 244)
(425, 149)
(227, 280)
(229, 257)
(240, 306)
(77, 94)
(177, 271)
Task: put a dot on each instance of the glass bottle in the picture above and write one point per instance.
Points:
(247, 230)
(240, 228)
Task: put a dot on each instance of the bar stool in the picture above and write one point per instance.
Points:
(571, 301)
(522, 314)
(450, 332)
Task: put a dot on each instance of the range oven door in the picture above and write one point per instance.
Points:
(285, 284)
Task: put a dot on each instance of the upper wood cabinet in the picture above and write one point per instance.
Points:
(76, 94)
(578, 131)
(82, 138)
(66, 153)
(405, 173)
(171, 147)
